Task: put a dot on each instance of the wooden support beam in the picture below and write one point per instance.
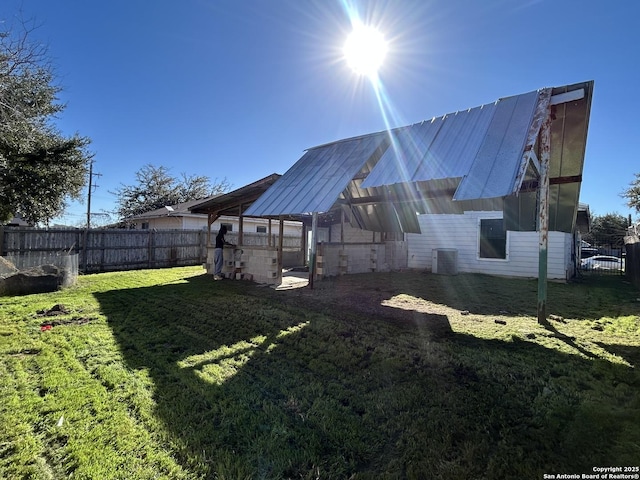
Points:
(543, 218)
(314, 248)
(280, 245)
(533, 185)
(241, 226)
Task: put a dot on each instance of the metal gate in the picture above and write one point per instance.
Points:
(602, 256)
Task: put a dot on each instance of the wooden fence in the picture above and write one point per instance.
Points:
(102, 250)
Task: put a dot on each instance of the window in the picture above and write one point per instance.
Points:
(228, 225)
(493, 239)
(145, 226)
(261, 229)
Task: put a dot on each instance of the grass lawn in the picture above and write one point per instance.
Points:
(169, 374)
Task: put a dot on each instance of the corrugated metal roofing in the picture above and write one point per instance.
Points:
(316, 180)
(483, 145)
(444, 147)
(483, 154)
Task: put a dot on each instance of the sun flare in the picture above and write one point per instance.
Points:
(365, 50)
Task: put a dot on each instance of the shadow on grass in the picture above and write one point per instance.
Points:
(589, 297)
(250, 386)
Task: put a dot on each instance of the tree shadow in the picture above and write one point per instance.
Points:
(248, 384)
(630, 353)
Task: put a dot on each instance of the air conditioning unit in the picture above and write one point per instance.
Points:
(444, 261)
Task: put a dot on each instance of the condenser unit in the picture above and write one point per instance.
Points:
(444, 261)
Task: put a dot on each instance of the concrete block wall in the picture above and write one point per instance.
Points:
(341, 259)
(259, 264)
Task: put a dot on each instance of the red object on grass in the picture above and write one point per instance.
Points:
(45, 327)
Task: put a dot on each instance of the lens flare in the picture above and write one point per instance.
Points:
(365, 50)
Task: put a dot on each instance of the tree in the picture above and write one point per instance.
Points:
(632, 194)
(607, 230)
(156, 188)
(40, 169)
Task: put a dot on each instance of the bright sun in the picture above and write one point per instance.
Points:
(365, 50)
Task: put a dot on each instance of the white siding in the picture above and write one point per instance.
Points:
(164, 223)
(198, 222)
(462, 233)
(193, 223)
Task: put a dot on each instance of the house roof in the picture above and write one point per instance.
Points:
(484, 155)
(177, 210)
(236, 202)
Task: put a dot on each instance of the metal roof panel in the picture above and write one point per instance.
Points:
(497, 162)
(316, 180)
(444, 147)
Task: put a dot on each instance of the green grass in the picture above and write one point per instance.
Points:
(168, 374)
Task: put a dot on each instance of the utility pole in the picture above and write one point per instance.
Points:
(89, 194)
(91, 187)
(85, 241)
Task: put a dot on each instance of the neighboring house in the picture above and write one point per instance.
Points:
(179, 217)
(18, 221)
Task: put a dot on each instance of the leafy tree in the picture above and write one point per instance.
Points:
(39, 167)
(607, 230)
(156, 188)
(632, 194)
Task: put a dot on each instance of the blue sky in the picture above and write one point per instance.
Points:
(238, 90)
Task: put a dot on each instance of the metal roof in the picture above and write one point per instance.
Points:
(484, 154)
(316, 180)
(237, 201)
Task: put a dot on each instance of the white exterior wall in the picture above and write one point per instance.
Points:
(199, 222)
(164, 223)
(193, 223)
(462, 232)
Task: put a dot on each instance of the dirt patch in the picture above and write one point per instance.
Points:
(60, 309)
(378, 297)
(57, 309)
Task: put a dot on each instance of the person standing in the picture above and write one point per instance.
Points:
(218, 252)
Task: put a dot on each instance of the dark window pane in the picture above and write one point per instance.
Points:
(493, 239)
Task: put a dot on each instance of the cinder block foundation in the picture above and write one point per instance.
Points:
(259, 264)
(346, 258)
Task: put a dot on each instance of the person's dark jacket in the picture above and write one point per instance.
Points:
(220, 241)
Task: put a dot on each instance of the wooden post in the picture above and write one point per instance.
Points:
(84, 250)
(314, 248)
(543, 218)
(280, 244)
(202, 257)
(303, 244)
(241, 226)
(150, 249)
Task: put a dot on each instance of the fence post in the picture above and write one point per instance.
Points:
(150, 249)
(2, 252)
(84, 251)
(202, 257)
